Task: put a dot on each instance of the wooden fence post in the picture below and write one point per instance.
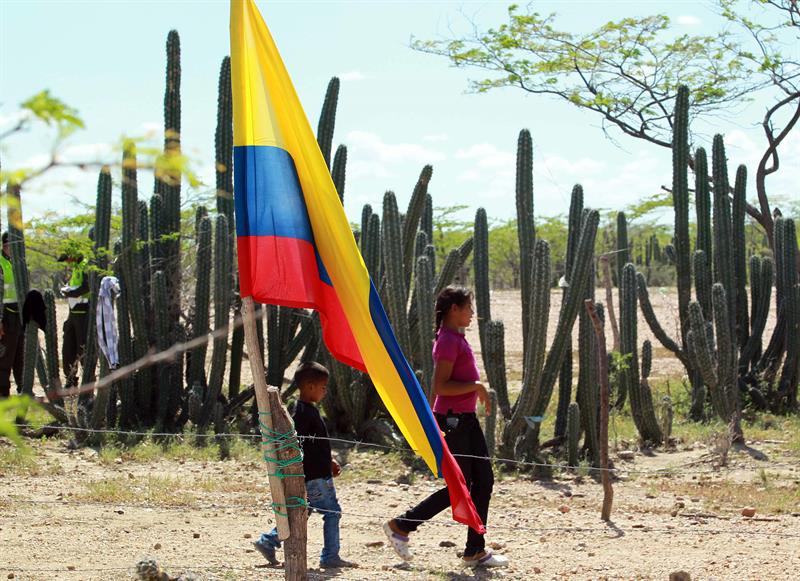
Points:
(264, 412)
(294, 548)
(602, 356)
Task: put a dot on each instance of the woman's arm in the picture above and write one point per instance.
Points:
(443, 385)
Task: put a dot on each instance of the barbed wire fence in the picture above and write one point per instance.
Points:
(665, 471)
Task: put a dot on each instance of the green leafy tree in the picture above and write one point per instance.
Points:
(628, 71)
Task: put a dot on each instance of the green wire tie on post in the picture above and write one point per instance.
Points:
(282, 441)
(296, 502)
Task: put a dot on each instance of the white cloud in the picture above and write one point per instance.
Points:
(688, 20)
(151, 129)
(436, 137)
(369, 155)
(352, 76)
(87, 152)
(7, 121)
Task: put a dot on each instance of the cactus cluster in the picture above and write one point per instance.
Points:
(718, 272)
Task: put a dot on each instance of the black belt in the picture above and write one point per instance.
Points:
(452, 415)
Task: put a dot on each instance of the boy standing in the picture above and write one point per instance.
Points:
(318, 465)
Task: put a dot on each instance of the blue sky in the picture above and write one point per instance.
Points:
(398, 109)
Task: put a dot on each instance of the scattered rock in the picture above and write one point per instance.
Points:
(374, 481)
(119, 511)
(117, 460)
(749, 512)
(627, 455)
(70, 567)
(680, 576)
(537, 570)
(497, 546)
(11, 575)
(651, 496)
(157, 546)
(374, 544)
(248, 536)
(563, 509)
(447, 544)
(196, 535)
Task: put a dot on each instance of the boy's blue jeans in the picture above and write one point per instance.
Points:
(322, 497)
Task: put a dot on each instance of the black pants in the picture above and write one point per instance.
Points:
(73, 343)
(13, 358)
(466, 438)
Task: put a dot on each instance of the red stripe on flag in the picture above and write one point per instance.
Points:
(460, 499)
(283, 271)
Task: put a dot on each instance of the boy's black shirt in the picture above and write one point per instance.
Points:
(316, 453)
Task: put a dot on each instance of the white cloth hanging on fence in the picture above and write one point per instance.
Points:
(107, 336)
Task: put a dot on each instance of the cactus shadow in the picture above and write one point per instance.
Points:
(618, 532)
(557, 486)
(754, 453)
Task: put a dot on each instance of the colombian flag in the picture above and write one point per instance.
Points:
(296, 248)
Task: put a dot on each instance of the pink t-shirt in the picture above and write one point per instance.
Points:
(452, 346)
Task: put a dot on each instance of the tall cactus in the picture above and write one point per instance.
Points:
(168, 182)
(637, 387)
(623, 253)
(222, 310)
(168, 393)
(223, 143)
(680, 252)
(416, 207)
(539, 304)
(565, 375)
(126, 387)
(740, 255)
(426, 223)
(790, 374)
(392, 245)
(202, 298)
(480, 257)
(723, 231)
(714, 351)
(425, 307)
(573, 432)
(102, 228)
(327, 120)
(525, 228)
(491, 424)
(132, 278)
(51, 341)
(339, 170)
(539, 380)
(16, 243)
(496, 365)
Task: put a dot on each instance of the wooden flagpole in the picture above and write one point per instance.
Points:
(264, 415)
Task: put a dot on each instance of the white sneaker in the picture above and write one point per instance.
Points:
(488, 559)
(398, 542)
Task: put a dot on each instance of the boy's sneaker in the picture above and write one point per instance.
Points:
(267, 551)
(337, 563)
(486, 559)
(398, 542)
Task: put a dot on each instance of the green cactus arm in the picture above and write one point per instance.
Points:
(327, 120)
(652, 321)
(339, 170)
(416, 207)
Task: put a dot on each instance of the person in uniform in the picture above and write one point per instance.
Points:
(12, 342)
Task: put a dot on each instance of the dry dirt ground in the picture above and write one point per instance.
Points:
(89, 515)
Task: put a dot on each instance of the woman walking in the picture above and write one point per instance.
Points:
(457, 385)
